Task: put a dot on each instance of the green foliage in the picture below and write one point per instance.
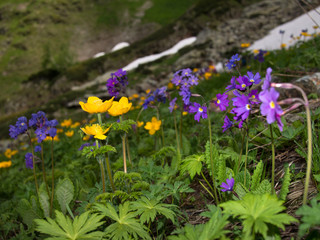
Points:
(125, 224)
(192, 164)
(29, 211)
(213, 229)
(310, 217)
(285, 185)
(264, 187)
(83, 227)
(64, 193)
(148, 209)
(44, 200)
(166, 151)
(175, 190)
(93, 151)
(257, 213)
(256, 177)
(125, 125)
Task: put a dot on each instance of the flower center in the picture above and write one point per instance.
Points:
(218, 101)
(243, 85)
(272, 104)
(200, 109)
(248, 107)
(253, 96)
(251, 80)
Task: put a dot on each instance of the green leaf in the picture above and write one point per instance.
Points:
(93, 151)
(64, 229)
(29, 212)
(44, 200)
(222, 173)
(257, 211)
(285, 185)
(256, 177)
(310, 216)
(125, 125)
(64, 193)
(192, 164)
(264, 187)
(167, 151)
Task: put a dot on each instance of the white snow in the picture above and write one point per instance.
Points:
(120, 46)
(273, 40)
(151, 58)
(100, 54)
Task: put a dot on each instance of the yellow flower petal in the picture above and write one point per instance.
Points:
(96, 105)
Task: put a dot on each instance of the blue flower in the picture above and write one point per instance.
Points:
(29, 160)
(228, 185)
(201, 111)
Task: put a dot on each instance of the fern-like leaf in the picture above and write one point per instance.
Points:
(310, 217)
(125, 125)
(28, 211)
(256, 177)
(44, 200)
(222, 173)
(285, 185)
(64, 193)
(63, 228)
(257, 211)
(264, 187)
(167, 151)
(192, 164)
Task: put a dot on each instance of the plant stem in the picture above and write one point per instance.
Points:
(309, 163)
(128, 150)
(124, 151)
(101, 169)
(245, 162)
(206, 180)
(240, 155)
(44, 175)
(34, 165)
(109, 173)
(181, 115)
(52, 178)
(273, 159)
(177, 139)
(211, 159)
(161, 127)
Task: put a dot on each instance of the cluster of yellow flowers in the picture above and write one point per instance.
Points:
(153, 126)
(8, 153)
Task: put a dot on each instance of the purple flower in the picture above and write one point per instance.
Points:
(83, 145)
(227, 124)
(242, 107)
(37, 148)
(52, 132)
(160, 94)
(267, 81)
(260, 55)
(270, 107)
(112, 87)
(186, 94)
(121, 75)
(176, 80)
(20, 127)
(172, 104)
(228, 185)
(243, 83)
(41, 134)
(201, 111)
(222, 101)
(38, 119)
(254, 97)
(193, 80)
(148, 101)
(232, 62)
(29, 160)
(232, 85)
(254, 79)
(52, 123)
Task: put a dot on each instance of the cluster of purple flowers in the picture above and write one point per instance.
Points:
(43, 128)
(159, 95)
(185, 79)
(233, 61)
(87, 145)
(117, 82)
(245, 98)
(260, 55)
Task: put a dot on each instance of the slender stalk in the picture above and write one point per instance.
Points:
(245, 162)
(309, 163)
(34, 165)
(109, 173)
(44, 175)
(211, 159)
(52, 178)
(101, 169)
(273, 160)
(240, 155)
(128, 150)
(180, 130)
(161, 127)
(177, 139)
(124, 151)
(206, 180)
(206, 189)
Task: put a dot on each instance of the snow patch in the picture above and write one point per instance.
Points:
(120, 46)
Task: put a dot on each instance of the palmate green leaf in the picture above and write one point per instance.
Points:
(285, 185)
(126, 226)
(192, 164)
(148, 209)
(310, 216)
(258, 211)
(64, 229)
(64, 193)
(93, 151)
(125, 125)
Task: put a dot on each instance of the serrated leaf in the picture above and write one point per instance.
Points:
(285, 185)
(256, 177)
(257, 211)
(125, 125)
(192, 164)
(64, 193)
(310, 216)
(28, 212)
(44, 201)
(264, 187)
(93, 151)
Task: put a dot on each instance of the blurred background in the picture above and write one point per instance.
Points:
(55, 52)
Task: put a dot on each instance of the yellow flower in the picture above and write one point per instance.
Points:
(148, 90)
(48, 138)
(66, 123)
(69, 133)
(5, 164)
(135, 95)
(142, 98)
(153, 126)
(93, 120)
(9, 153)
(96, 105)
(195, 70)
(245, 45)
(76, 124)
(305, 34)
(184, 113)
(119, 108)
(86, 138)
(315, 27)
(283, 45)
(256, 51)
(96, 131)
(140, 124)
(207, 75)
(170, 85)
(212, 68)
(59, 130)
